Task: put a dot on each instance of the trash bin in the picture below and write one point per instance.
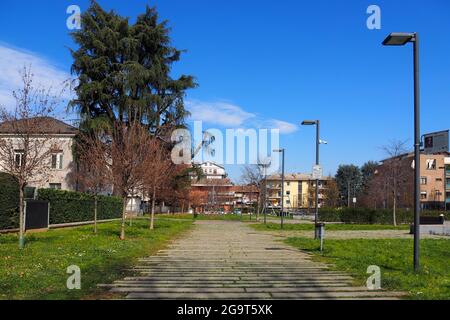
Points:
(320, 230)
(320, 233)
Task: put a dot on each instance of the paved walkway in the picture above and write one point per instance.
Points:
(229, 260)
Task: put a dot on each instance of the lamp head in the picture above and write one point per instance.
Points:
(309, 123)
(398, 39)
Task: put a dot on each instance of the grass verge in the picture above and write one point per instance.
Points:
(227, 217)
(394, 257)
(39, 271)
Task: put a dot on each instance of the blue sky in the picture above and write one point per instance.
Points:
(275, 62)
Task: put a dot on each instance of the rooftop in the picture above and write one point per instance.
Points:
(40, 125)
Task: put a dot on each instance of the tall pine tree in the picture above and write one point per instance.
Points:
(123, 72)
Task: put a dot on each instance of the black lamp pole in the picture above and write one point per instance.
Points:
(400, 39)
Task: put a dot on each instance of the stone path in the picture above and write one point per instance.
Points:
(229, 260)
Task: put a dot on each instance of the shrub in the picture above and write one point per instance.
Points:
(372, 216)
(9, 202)
(69, 206)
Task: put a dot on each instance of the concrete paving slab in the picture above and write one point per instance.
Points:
(228, 260)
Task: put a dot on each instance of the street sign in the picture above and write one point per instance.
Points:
(317, 172)
(354, 200)
(435, 142)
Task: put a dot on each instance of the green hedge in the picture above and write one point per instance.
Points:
(372, 216)
(9, 202)
(68, 206)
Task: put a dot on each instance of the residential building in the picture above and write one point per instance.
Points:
(447, 182)
(245, 196)
(434, 181)
(61, 135)
(212, 170)
(298, 190)
(215, 192)
(209, 195)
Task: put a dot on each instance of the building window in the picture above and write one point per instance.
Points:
(423, 180)
(57, 160)
(288, 193)
(423, 195)
(18, 158)
(288, 183)
(431, 164)
(55, 186)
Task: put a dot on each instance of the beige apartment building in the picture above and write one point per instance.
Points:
(60, 137)
(298, 190)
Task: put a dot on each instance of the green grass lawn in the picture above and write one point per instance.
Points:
(39, 271)
(328, 227)
(229, 217)
(394, 257)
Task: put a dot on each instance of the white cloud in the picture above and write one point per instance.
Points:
(283, 126)
(219, 113)
(46, 74)
(232, 116)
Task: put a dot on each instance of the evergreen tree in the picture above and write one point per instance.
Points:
(368, 170)
(124, 71)
(349, 181)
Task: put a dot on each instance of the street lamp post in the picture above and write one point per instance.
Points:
(318, 141)
(400, 39)
(282, 183)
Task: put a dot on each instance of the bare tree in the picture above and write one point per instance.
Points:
(394, 172)
(198, 199)
(92, 174)
(130, 153)
(26, 147)
(158, 172)
(253, 175)
(331, 194)
(124, 152)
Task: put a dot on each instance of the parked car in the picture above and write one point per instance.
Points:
(237, 211)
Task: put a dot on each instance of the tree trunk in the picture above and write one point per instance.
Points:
(21, 217)
(124, 213)
(153, 210)
(258, 207)
(394, 207)
(95, 214)
(182, 208)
